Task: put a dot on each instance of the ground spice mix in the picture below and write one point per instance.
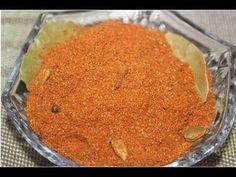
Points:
(115, 95)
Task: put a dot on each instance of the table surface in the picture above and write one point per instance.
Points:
(16, 25)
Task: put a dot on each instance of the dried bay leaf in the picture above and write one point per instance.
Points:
(189, 53)
(29, 67)
(119, 148)
(51, 33)
(194, 133)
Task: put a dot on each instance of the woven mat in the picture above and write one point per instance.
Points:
(16, 25)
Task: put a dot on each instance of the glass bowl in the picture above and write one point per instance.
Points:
(220, 58)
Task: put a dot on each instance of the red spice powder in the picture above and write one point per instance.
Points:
(116, 80)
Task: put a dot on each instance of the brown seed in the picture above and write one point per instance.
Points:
(119, 148)
(40, 134)
(46, 75)
(194, 133)
(119, 79)
(55, 109)
(82, 138)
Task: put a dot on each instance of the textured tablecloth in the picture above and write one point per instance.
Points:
(16, 26)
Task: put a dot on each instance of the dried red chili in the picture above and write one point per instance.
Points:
(148, 108)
